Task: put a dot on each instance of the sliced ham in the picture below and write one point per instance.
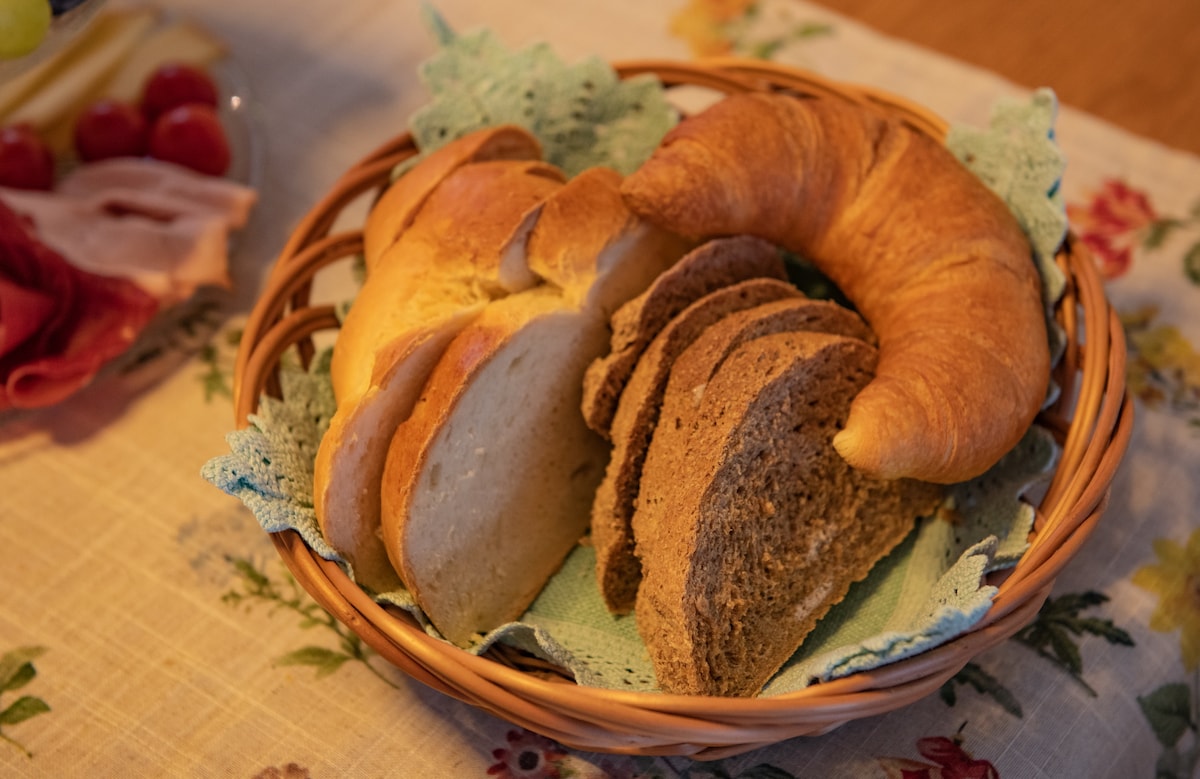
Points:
(162, 226)
(167, 255)
(151, 187)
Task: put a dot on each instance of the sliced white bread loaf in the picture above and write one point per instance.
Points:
(711, 266)
(768, 526)
(488, 484)
(722, 320)
(428, 285)
(348, 467)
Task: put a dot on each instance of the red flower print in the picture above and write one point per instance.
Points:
(1111, 224)
(950, 761)
(528, 756)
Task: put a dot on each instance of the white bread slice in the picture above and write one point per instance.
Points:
(487, 484)
(397, 207)
(349, 462)
(711, 266)
(430, 284)
(769, 526)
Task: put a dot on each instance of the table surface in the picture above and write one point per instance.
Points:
(148, 628)
(1132, 64)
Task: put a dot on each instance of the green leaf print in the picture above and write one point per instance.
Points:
(1158, 231)
(983, 683)
(1053, 633)
(1191, 264)
(257, 586)
(217, 359)
(16, 667)
(1172, 711)
(325, 661)
(22, 709)
(17, 671)
(1168, 709)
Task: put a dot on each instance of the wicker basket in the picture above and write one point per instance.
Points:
(1092, 420)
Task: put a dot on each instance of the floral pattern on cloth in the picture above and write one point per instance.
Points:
(1173, 710)
(946, 760)
(739, 27)
(1114, 222)
(1117, 222)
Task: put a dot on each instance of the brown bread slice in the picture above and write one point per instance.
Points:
(716, 264)
(768, 526)
(734, 314)
(688, 377)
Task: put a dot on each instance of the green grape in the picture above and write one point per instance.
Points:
(23, 25)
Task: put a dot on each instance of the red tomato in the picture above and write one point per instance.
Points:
(192, 136)
(110, 128)
(26, 162)
(173, 85)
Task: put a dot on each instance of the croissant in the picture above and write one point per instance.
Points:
(931, 258)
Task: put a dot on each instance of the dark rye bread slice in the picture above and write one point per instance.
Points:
(768, 525)
(688, 378)
(733, 314)
(711, 266)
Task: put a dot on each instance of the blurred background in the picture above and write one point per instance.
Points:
(1136, 64)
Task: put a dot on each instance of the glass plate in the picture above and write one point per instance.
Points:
(178, 333)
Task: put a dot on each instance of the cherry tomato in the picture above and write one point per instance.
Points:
(110, 128)
(26, 162)
(191, 135)
(173, 85)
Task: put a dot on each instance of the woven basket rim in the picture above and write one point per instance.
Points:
(1092, 418)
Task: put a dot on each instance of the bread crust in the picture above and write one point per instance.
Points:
(397, 206)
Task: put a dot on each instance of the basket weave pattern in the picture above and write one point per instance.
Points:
(1092, 420)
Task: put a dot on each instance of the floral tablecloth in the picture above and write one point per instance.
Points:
(147, 627)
